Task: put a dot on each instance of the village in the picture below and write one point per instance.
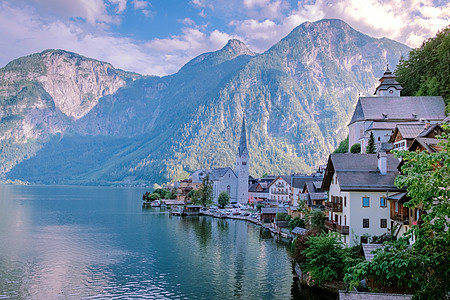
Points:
(355, 191)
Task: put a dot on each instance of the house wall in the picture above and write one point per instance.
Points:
(229, 179)
(279, 191)
(356, 213)
(355, 132)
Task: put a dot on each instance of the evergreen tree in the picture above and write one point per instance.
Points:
(426, 72)
(371, 146)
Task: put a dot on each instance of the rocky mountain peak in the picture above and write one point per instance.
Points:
(237, 48)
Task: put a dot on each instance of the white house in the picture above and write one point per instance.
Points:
(358, 186)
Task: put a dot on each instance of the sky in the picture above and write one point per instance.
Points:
(157, 37)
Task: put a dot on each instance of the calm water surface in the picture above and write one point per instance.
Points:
(98, 243)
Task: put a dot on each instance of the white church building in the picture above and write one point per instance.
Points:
(234, 182)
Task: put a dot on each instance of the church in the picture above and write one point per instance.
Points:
(381, 114)
(234, 182)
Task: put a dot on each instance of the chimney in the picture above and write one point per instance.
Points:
(427, 124)
(382, 162)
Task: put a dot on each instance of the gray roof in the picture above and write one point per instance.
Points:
(347, 295)
(252, 188)
(299, 181)
(299, 230)
(430, 144)
(359, 172)
(273, 210)
(368, 248)
(410, 131)
(399, 108)
(214, 174)
(219, 172)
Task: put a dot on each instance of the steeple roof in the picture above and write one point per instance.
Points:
(387, 81)
(243, 140)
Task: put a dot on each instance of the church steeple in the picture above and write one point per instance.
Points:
(243, 140)
(388, 85)
(242, 167)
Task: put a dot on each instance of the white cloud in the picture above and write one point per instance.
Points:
(121, 5)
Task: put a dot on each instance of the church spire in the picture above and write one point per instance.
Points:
(243, 141)
(388, 85)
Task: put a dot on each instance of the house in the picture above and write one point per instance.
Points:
(358, 186)
(427, 140)
(381, 114)
(183, 188)
(404, 134)
(315, 197)
(269, 214)
(279, 191)
(258, 191)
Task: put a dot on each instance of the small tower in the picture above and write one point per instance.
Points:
(242, 167)
(389, 87)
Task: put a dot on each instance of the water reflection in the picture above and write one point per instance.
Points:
(73, 242)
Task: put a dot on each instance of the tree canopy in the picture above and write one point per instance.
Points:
(426, 72)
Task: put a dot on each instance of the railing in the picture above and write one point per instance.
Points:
(280, 192)
(401, 218)
(333, 226)
(335, 207)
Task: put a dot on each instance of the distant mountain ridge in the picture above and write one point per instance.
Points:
(124, 128)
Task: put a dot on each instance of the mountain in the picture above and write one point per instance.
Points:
(94, 124)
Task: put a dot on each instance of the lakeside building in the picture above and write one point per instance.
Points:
(358, 187)
(381, 114)
(233, 182)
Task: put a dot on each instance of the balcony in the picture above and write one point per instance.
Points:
(333, 226)
(404, 219)
(334, 207)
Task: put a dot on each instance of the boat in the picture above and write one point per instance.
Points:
(156, 203)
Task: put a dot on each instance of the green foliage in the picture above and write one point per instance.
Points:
(355, 148)
(423, 266)
(325, 257)
(343, 146)
(259, 206)
(281, 216)
(224, 199)
(203, 195)
(300, 244)
(297, 222)
(316, 219)
(371, 145)
(426, 71)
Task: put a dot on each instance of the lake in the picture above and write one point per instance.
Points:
(65, 242)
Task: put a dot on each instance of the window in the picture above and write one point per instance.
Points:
(396, 207)
(345, 201)
(340, 220)
(345, 220)
(365, 223)
(228, 190)
(244, 163)
(382, 202)
(383, 223)
(364, 240)
(366, 201)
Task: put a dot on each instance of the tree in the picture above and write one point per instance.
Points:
(343, 146)
(224, 199)
(259, 206)
(423, 266)
(371, 146)
(356, 148)
(316, 219)
(325, 257)
(426, 71)
(297, 222)
(203, 195)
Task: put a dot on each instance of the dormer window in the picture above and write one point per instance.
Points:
(384, 116)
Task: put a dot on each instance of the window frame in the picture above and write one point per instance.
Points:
(368, 201)
(366, 220)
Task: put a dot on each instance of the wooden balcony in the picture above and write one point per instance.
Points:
(334, 207)
(333, 226)
(404, 219)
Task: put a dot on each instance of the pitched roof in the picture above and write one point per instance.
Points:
(273, 210)
(299, 181)
(214, 174)
(429, 144)
(299, 230)
(399, 108)
(359, 172)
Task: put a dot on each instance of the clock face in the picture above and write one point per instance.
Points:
(391, 91)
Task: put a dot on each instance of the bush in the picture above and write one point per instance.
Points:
(224, 199)
(356, 148)
(296, 222)
(281, 216)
